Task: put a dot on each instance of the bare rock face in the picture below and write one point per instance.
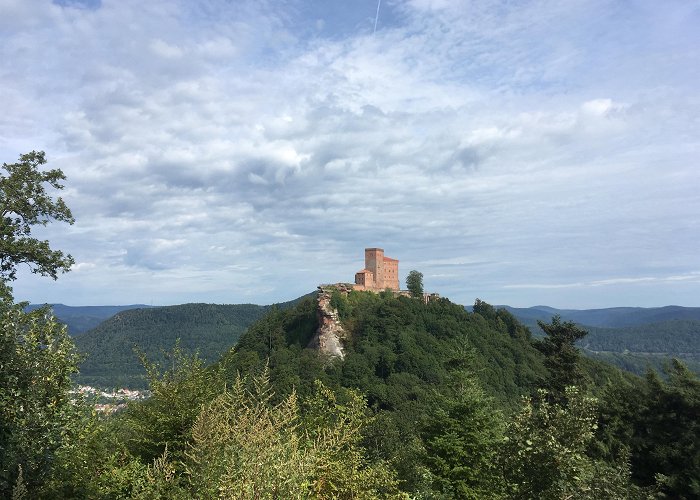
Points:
(330, 333)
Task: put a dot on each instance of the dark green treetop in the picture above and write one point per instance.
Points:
(414, 283)
(25, 203)
(561, 354)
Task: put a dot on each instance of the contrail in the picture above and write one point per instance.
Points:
(376, 18)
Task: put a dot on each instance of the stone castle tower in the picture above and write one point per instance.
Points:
(380, 272)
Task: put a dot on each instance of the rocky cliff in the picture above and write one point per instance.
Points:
(329, 337)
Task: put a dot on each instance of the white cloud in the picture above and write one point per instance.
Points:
(165, 50)
(691, 276)
(597, 107)
(513, 144)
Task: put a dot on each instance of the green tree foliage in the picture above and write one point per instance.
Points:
(164, 420)
(235, 443)
(561, 355)
(110, 358)
(25, 203)
(672, 336)
(419, 404)
(37, 358)
(340, 303)
(639, 363)
(140, 453)
(400, 353)
(637, 348)
(633, 339)
(501, 319)
(36, 355)
(242, 443)
(667, 433)
(544, 454)
(97, 464)
(414, 283)
(657, 421)
(246, 446)
(462, 436)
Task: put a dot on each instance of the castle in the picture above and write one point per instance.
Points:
(380, 272)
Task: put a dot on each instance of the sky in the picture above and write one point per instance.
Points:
(521, 152)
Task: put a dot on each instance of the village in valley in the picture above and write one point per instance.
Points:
(107, 401)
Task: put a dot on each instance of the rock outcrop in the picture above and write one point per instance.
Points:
(329, 337)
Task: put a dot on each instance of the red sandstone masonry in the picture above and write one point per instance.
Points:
(380, 272)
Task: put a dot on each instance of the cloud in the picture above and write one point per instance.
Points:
(507, 144)
(165, 50)
(692, 276)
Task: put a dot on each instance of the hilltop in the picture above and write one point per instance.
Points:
(80, 319)
(110, 359)
(393, 344)
(111, 349)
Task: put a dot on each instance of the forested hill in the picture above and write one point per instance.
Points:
(212, 329)
(427, 370)
(398, 348)
(632, 338)
(110, 353)
(427, 399)
(80, 319)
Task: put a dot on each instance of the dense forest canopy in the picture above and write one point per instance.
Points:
(429, 400)
(112, 345)
(112, 349)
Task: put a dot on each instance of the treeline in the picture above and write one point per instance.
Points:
(641, 363)
(430, 401)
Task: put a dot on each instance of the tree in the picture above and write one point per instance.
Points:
(544, 455)
(484, 309)
(658, 421)
(178, 391)
(462, 438)
(25, 203)
(246, 446)
(561, 355)
(414, 283)
(37, 356)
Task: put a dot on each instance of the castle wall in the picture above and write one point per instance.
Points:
(364, 278)
(391, 274)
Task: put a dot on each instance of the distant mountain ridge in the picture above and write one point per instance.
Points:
(613, 317)
(80, 319)
(633, 338)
